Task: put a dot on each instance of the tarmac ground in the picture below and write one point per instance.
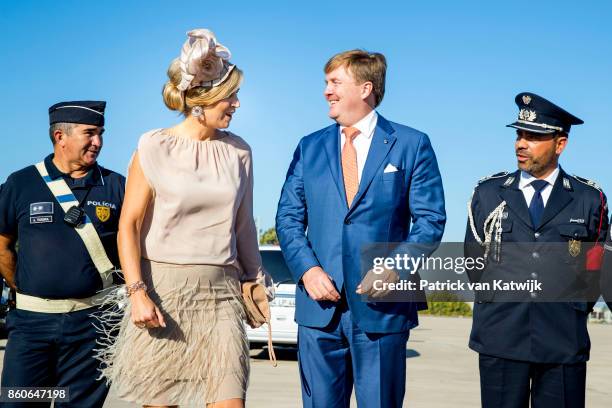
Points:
(441, 371)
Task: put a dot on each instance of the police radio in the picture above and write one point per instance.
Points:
(74, 216)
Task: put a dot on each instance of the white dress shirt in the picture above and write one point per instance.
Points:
(363, 140)
(528, 190)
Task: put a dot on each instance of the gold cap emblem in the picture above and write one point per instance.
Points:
(526, 99)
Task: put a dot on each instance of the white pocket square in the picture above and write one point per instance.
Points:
(390, 168)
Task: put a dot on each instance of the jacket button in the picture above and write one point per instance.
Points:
(347, 222)
(535, 255)
(536, 235)
(534, 275)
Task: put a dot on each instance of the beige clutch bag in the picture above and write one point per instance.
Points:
(257, 310)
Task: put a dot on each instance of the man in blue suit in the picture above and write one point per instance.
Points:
(359, 181)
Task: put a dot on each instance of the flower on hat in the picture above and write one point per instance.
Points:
(203, 61)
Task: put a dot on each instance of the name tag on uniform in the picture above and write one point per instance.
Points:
(41, 213)
(41, 219)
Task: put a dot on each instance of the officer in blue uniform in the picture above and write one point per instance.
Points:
(51, 332)
(534, 350)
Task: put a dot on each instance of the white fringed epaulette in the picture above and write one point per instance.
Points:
(588, 182)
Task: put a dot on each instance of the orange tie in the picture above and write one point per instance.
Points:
(349, 164)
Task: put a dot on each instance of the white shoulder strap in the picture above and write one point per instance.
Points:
(86, 231)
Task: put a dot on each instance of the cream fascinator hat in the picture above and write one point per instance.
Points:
(203, 61)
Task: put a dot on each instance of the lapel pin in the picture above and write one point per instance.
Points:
(509, 181)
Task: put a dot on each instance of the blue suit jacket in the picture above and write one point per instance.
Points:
(316, 228)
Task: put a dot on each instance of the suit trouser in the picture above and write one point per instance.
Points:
(511, 384)
(333, 358)
(53, 350)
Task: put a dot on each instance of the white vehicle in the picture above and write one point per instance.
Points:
(282, 308)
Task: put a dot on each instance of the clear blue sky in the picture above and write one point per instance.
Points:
(454, 69)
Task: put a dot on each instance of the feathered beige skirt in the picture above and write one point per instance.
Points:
(202, 356)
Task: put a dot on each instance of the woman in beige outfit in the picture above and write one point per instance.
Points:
(186, 240)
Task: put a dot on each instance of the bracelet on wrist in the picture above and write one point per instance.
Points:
(135, 287)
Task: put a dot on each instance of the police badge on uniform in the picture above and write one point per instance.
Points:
(41, 213)
(574, 246)
(103, 213)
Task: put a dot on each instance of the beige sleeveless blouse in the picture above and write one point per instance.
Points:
(202, 210)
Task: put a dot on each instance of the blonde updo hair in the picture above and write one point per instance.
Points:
(198, 96)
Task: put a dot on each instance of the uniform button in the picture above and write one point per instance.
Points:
(535, 255)
(533, 295)
(347, 222)
(534, 275)
(537, 235)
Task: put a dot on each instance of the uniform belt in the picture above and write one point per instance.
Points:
(42, 305)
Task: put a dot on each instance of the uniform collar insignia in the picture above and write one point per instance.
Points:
(509, 181)
(566, 184)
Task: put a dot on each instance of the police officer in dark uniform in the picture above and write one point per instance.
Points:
(57, 270)
(539, 224)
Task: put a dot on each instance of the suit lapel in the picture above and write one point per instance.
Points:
(382, 142)
(559, 198)
(515, 200)
(331, 145)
